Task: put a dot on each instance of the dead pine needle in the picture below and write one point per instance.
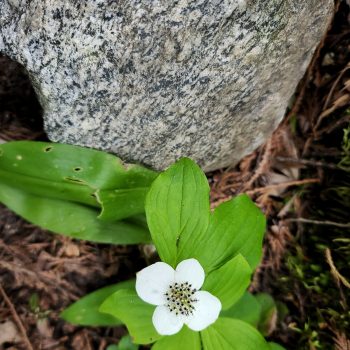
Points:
(16, 318)
(282, 185)
(341, 342)
(307, 162)
(319, 222)
(337, 275)
(262, 166)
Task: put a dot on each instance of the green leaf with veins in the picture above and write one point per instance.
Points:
(230, 281)
(246, 309)
(126, 305)
(72, 219)
(177, 209)
(182, 227)
(121, 203)
(184, 340)
(230, 334)
(86, 312)
(236, 226)
(274, 346)
(77, 174)
(125, 343)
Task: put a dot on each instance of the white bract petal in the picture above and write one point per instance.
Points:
(207, 310)
(175, 292)
(166, 322)
(190, 271)
(153, 282)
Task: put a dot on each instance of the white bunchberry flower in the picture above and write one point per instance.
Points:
(177, 296)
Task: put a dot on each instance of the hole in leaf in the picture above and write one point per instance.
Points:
(48, 149)
(77, 169)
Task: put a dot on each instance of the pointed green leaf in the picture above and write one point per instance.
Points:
(134, 313)
(86, 312)
(274, 346)
(184, 340)
(125, 343)
(72, 219)
(246, 309)
(230, 281)
(230, 334)
(236, 226)
(177, 210)
(268, 317)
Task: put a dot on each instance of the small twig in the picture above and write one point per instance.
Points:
(307, 162)
(56, 343)
(317, 222)
(334, 270)
(331, 92)
(16, 318)
(286, 208)
(328, 129)
(86, 337)
(307, 145)
(102, 345)
(282, 185)
(261, 166)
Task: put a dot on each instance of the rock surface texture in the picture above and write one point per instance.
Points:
(154, 80)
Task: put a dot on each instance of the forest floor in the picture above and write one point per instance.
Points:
(300, 178)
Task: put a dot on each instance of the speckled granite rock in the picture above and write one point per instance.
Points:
(153, 80)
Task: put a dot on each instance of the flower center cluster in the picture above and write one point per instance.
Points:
(180, 298)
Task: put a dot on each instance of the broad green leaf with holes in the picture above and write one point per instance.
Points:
(177, 209)
(246, 309)
(76, 174)
(134, 313)
(86, 312)
(184, 340)
(121, 203)
(230, 334)
(72, 219)
(230, 281)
